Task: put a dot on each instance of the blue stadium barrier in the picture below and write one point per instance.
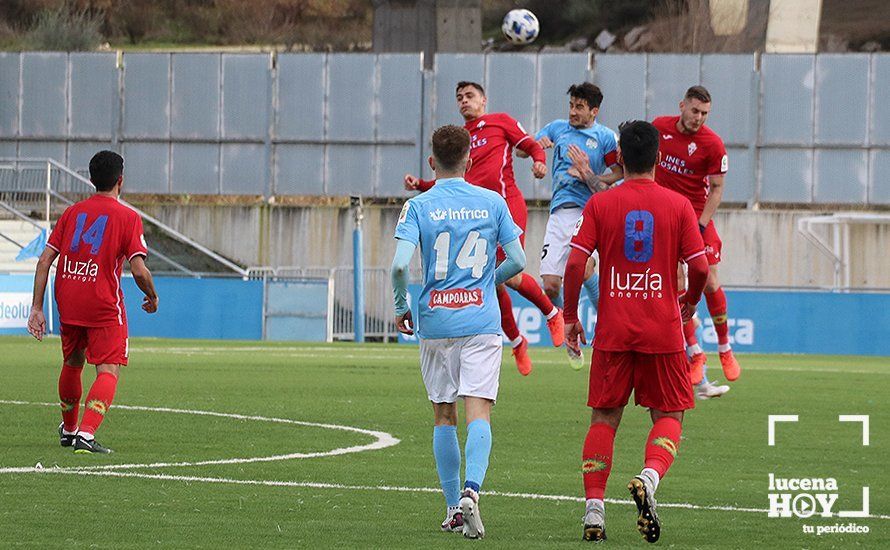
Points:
(761, 321)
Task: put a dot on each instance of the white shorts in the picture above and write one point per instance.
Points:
(555, 252)
(461, 367)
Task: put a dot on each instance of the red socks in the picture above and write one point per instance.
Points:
(689, 332)
(508, 322)
(717, 309)
(596, 461)
(70, 390)
(532, 291)
(662, 445)
(98, 402)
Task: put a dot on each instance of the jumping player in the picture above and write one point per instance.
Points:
(694, 163)
(579, 135)
(457, 226)
(93, 238)
(493, 137)
(642, 231)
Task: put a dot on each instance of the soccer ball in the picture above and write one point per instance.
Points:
(520, 26)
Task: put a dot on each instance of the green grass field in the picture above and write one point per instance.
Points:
(354, 500)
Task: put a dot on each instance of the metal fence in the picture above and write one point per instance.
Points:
(800, 129)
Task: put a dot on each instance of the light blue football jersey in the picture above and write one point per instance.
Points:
(457, 227)
(600, 144)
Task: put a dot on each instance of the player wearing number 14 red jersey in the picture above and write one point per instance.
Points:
(92, 239)
(694, 163)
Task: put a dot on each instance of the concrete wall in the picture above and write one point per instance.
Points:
(761, 247)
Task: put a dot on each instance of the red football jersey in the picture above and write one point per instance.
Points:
(93, 238)
(492, 139)
(687, 160)
(641, 231)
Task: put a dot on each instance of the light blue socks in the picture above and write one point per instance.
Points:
(478, 450)
(447, 452)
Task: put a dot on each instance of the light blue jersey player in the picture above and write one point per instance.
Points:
(458, 227)
(583, 151)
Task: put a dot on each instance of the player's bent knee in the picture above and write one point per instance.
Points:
(109, 368)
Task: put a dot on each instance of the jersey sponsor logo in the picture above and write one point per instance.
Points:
(724, 163)
(464, 214)
(642, 285)
(455, 298)
(79, 271)
(403, 215)
(675, 165)
(692, 147)
(476, 142)
(591, 143)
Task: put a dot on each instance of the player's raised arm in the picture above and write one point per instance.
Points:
(36, 319)
(518, 138)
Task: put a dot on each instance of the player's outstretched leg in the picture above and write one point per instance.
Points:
(446, 450)
(508, 324)
(596, 465)
(70, 392)
(696, 355)
(99, 400)
(478, 451)
(717, 308)
(529, 289)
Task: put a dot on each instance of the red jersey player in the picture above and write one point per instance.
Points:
(693, 163)
(493, 137)
(641, 231)
(93, 238)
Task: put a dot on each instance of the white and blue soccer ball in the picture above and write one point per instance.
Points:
(521, 26)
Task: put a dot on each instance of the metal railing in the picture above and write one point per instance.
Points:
(46, 186)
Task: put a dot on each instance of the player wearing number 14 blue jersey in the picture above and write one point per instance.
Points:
(458, 227)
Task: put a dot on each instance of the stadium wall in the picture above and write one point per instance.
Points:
(800, 129)
(762, 248)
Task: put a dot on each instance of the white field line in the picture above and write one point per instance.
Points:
(390, 488)
(382, 439)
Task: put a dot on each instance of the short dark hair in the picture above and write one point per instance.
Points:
(465, 83)
(590, 93)
(450, 146)
(105, 169)
(639, 146)
(698, 92)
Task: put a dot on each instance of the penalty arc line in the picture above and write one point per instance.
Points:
(382, 440)
(338, 486)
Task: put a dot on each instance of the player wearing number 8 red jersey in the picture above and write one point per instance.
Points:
(641, 231)
(694, 163)
(493, 138)
(92, 239)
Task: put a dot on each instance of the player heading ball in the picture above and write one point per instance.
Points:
(642, 231)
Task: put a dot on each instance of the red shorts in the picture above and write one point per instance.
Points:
(713, 244)
(103, 345)
(519, 211)
(659, 380)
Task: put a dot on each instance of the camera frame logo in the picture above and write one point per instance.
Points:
(806, 498)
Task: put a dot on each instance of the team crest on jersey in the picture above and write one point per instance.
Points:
(403, 215)
(591, 143)
(692, 147)
(455, 298)
(578, 225)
